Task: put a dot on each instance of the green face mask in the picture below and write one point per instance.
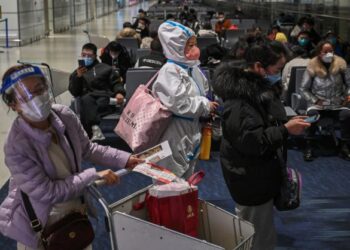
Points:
(303, 42)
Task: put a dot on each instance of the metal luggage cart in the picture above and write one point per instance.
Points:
(130, 229)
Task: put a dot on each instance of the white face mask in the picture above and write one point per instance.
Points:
(328, 58)
(221, 19)
(37, 109)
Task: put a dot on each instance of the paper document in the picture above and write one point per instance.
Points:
(156, 153)
(152, 156)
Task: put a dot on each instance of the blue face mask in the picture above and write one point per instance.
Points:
(303, 42)
(273, 79)
(88, 61)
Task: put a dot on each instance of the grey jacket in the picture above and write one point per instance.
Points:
(321, 84)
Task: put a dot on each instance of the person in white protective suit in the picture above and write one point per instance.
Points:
(181, 87)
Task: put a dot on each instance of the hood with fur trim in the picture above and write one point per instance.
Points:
(236, 83)
(317, 68)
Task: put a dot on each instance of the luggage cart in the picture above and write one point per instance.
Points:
(129, 229)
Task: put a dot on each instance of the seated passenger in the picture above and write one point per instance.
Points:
(303, 40)
(207, 31)
(326, 88)
(192, 22)
(118, 57)
(43, 151)
(141, 26)
(128, 31)
(308, 25)
(95, 83)
(300, 59)
(146, 41)
(339, 48)
(222, 25)
(155, 59)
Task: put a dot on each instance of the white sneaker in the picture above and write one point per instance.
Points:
(97, 134)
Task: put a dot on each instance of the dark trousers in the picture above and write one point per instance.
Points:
(92, 108)
(343, 116)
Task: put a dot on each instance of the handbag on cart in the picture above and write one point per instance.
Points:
(74, 231)
(290, 190)
(175, 205)
(144, 119)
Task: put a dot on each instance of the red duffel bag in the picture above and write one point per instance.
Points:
(175, 205)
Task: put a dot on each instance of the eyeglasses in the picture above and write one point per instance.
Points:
(87, 55)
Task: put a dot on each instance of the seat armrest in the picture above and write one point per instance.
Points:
(295, 101)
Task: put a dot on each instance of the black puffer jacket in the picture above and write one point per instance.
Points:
(100, 79)
(253, 131)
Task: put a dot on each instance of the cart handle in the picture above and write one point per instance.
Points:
(120, 173)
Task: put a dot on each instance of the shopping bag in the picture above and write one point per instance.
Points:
(175, 205)
(289, 195)
(290, 191)
(143, 120)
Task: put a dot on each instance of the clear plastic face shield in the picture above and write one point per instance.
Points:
(31, 91)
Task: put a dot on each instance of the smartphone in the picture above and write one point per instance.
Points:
(81, 63)
(312, 119)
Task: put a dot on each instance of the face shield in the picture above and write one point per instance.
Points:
(31, 92)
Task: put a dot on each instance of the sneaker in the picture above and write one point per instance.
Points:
(97, 134)
(308, 155)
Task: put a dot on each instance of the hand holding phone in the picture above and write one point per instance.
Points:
(81, 63)
(312, 119)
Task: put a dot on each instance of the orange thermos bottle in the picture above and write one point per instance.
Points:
(206, 142)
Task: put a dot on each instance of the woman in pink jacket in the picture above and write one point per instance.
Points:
(43, 151)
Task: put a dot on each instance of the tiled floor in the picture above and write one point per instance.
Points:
(60, 51)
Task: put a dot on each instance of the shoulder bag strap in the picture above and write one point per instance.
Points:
(148, 84)
(34, 222)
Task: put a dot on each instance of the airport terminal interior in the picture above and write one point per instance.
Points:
(50, 32)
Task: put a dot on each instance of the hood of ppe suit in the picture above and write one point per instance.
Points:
(173, 37)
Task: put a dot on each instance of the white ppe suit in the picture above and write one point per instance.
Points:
(184, 96)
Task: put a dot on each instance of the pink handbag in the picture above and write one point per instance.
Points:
(143, 120)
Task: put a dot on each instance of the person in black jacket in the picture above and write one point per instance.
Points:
(141, 26)
(118, 57)
(255, 126)
(95, 83)
(155, 59)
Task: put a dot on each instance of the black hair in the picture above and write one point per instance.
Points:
(185, 7)
(278, 48)
(304, 32)
(156, 46)
(192, 11)
(278, 28)
(141, 11)
(115, 47)
(169, 16)
(298, 50)
(147, 22)
(127, 25)
(263, 54)
(309, 20)
(90, 46)
(221, 13)
(320, 46)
